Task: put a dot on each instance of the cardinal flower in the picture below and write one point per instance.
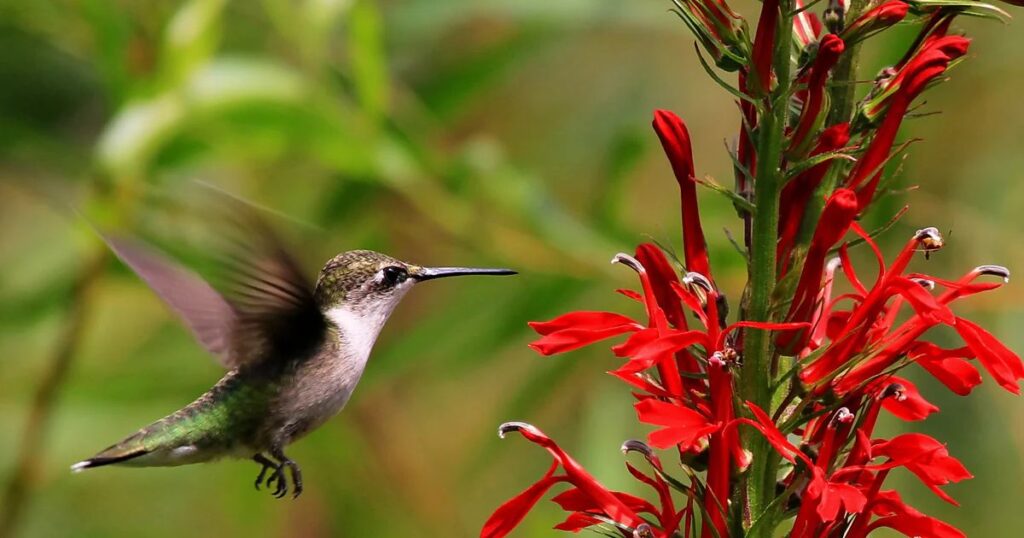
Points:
(832, 367)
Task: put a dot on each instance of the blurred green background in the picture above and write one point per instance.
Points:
(511, 132)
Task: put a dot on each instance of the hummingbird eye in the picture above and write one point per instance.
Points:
(394, 275)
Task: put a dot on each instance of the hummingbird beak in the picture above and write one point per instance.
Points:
(430, 273)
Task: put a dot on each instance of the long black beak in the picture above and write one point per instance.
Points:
(430, 273)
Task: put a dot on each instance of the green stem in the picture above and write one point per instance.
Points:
(757, 376)
(18, 489)
(755, 379)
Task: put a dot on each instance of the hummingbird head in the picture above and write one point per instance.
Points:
(357, 290)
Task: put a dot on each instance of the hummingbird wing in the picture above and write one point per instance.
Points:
(206, 313)
(277, 316)
(268, 310)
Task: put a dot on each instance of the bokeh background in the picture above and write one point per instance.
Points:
(508, 132)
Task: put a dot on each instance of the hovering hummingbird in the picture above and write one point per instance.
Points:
(294, 351)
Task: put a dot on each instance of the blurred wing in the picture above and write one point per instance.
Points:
(204, 311)
(277, 316)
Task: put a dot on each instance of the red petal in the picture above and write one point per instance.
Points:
(574, 500)
(583, 320)
(683, 426)
(665, 347)
(1004, 365)
(836, 496)
(925, 457)
(663, 276)
(631, 294)
(949, 366)
(571, 339)
(510, 514)
(578, 329)
(577, 521)
(773, 435)
(923, 302)
(579, 477)
(908, 521)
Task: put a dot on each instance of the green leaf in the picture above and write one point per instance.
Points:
(368, 57)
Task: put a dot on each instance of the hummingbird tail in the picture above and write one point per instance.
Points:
(105, 458)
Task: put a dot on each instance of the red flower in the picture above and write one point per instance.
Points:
(898, 516)
(589, 491)
(577, 329)
(798, 191)
(676, 141)
(764, 45)
(836, 360)
(812, 113)
(926, 458)
(929, 62)
(875, 20)
(835, 220)
(908, 404)
(806, 25)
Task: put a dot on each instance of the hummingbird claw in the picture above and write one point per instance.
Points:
(266, 463)
(277, 479)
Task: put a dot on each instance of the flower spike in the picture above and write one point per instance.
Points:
(816, 381)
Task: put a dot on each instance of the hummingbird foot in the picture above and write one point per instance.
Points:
(277, 478)
(266, 463)
(293, 469)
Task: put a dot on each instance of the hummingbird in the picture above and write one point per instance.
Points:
(294, 351)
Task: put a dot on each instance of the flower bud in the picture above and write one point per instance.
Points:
(875, 20)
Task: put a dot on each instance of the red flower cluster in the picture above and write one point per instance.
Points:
(836, 357)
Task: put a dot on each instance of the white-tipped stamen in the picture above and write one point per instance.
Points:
(925, 283)
(509, 427)
(698, 280)
(895, 390)
(627, 260)
(842, 416)
(994, 270)
(634, 445)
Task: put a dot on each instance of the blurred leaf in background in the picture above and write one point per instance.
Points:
(442, 131)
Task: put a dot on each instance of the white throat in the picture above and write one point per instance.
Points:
(359, 328)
